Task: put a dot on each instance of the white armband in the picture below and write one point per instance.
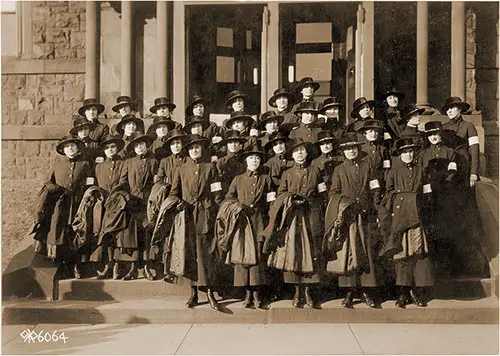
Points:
(374, 184)
(452, 166)
(322, 116)
(155, 178)
(387, 136)
(254, 132)
(90, 181)
(214, 159)
(474, 140)
(321, 187)
(216, 139)
(215, 187)
(386, 163)
(271, 196)
(427, 188)
(99, 159)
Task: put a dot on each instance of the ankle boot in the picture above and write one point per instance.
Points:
(193, 299)
(402, 299)
(76, 271)
(256, 299)
(106, 272)
(211, 299)
(349, 298)
(367, 298)
(247, 303)
(147, 273)
(309, 300)
(296, 297)
(416, 298)
(116, 271)
(132, 273)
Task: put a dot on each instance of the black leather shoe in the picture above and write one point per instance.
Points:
(247, 303)
(116, 271)
(402, 300)
(76, 271)
(256, 300)
(147, 274)
(348, 300)
(105, 273)
(132, 273)
(213, 302)
(296, 298)
(309, 300)
(192, 301)
(365, 297)
(415, 298)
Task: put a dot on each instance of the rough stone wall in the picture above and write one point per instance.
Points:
(58, 30)
(470, 73)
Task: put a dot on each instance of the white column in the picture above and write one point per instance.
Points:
(263, 61)
(458, 49)
(179, 56)
(161, 48)
(92, 52)
(127, 41)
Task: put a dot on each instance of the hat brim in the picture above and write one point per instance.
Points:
(204, 125)
(224, 142)
(463, 107)
(354, 112)
(289, 151)
(170, 106)
(431, 131)
(74, 130)
(189, 108)
(144, 138)
(262, 123)
(169, 140)
(99, 106)
(117, 107)
(350, 144)
(60, 145)
(411, 113)
(413, 145)
(119, 143)
(170, 124)
(203, 141)
(326, 140)
(399, 94)
(231, 99)
(328, 106)
(362, 128)
(247, 118)
(270, 143)
(243, 155)
(120, 125)
(315, 86)
(272, 99)
(298, 111)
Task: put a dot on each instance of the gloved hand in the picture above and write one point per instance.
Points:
(181, 205)
(298, 200)
(249, 211)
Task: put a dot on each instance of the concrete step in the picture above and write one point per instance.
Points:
(172, 310)
(102, 290)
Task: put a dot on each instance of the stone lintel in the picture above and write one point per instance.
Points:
(41, 66)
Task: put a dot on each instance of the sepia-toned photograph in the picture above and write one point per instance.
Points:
(250, 177)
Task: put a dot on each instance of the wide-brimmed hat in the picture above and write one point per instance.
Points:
(192, 139)
(277, 136)
(124, 100)
(112, 139)
(455, 101)
(67, 139)
(433, 126)
(88, 103)
(358, 103)
(307, 106)
(281, 92)
(304, 82)
(393, 91)
(325, 136)
(348, 140)
(126, 119)
(190, 121)
(175, 134)
(196, 99)
(162, 101)
(159, 120)
(232, 135)
(297, 142)
(137, 137)
(372, 124)
(404, 142)
(269, 116)
(255, 149)
(79, 123)
(411, 110)
(330, 102)
(239, 115)
(235, 94)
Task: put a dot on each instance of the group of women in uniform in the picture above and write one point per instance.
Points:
(290, 197)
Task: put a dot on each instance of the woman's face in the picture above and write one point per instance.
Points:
(308, 117)
(453, 112)
(351, 152)
(414, 120)
(333, 112)
(307, 91)
(234, 146)
(176, 146)
(125, 110)
(239, 125)
(140, 148)
(282, 102)
(371, 135)
(91, 113)
(253, 162)
(326, 147)
(365, 111)
(83, 132)
(198, 109)
(238, 104)
(130, 128)
(195, 151)
(272, 126)
(434, 138)
(279, 147)
(161, 130)
(407, 155)
(163, 111)
(299, 154)
(70, 149)
(197, 129)
(392, 101)
(110, 150)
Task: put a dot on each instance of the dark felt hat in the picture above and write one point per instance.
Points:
(411, 110)
(88, 103)
(79, 123)
(192, 139)
(455, 101)
(348, 140)
(277, 136)
(358, 103)
(372, 124)
(325, 136)
(192, 120)
(239, 115)
(162, 101)
(255, 149)
(126, 119)
(158, 120)
(175, 135)
(394, 92)
(330, 102)
(232, 135)
(124, 100)
(433, 126)
(281, 92)
(196, 99)
(297, 142)
(235, 94)
(304, 82)
(67, 139)
(307, 106)
(404, 142)
(268, 116)
(112, 139)
(137, 137)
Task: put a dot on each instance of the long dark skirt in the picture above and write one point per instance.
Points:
(250, 276)
(206, 261)
(414, 271)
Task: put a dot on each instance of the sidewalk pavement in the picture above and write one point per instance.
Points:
(211, 339)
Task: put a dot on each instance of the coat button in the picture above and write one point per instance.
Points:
(251, 205)
(397, 206)
(401, 198)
